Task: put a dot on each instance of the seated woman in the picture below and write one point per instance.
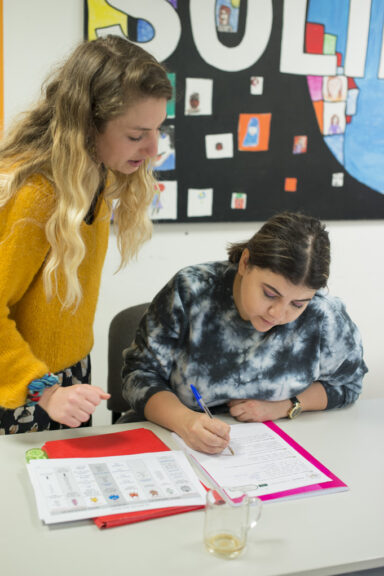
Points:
(257, 334)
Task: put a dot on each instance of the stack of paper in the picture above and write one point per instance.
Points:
(267, 463)
(77, 488)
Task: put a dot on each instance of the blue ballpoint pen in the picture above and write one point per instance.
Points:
(205, 408)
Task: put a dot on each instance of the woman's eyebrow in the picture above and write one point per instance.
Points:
(273, 289)
(141, 128)
(278, 294)
(145, 128)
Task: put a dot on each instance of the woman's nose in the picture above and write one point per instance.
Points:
(151, 145)
(277, 311)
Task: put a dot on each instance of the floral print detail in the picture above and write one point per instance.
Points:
(32, 418)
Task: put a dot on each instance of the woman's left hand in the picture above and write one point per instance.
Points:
(253, 410)
(72, 405)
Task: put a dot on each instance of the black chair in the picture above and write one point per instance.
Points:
(122, 331)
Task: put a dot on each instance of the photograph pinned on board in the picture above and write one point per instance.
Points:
(238, 201)
(198, 96)
(166, 153)
(227, 15)
(290, 185)
(334, 118)
(256, 84)
(171, 104)
(335, 88)
(164, 203)
(254, 132)
(219, 145)
(300, 144)
(200, 202)
(338, 179)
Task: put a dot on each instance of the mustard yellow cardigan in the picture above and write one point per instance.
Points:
(37, 336)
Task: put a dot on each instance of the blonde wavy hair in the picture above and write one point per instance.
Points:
(56, 138)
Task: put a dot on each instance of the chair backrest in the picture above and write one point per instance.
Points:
(122, 331)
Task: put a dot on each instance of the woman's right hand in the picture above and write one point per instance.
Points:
(72, 405)
(198, 431)
(204, 434)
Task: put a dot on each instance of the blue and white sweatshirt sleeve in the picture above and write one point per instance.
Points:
(151, 360)
(341, 365)
(193, 334)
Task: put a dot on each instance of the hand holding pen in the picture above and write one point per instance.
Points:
(205, 409)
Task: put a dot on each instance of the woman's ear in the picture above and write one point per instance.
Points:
(243, 262)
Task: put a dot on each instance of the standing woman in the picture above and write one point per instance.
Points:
(87, 142)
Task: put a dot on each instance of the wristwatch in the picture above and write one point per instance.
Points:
(296, 408)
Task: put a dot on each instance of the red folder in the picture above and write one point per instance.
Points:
(136, 441)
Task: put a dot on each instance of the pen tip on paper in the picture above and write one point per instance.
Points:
(231, 450)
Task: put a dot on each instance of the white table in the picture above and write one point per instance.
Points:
(317, 535)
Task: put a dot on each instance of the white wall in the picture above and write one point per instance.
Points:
(37, 34)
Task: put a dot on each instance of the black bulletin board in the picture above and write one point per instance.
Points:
(310, 161)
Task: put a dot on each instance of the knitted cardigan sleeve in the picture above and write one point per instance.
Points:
(24, 248)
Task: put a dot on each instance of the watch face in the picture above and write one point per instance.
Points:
(295, 410)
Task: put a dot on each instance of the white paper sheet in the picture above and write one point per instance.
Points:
(68, 489)
(264, 463)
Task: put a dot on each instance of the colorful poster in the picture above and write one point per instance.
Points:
(277, 105)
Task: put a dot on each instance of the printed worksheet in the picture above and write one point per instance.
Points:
(266, 463)
(69, 489)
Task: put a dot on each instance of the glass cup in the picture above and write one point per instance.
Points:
(226, 524)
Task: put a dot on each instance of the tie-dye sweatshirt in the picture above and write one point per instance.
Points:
(192, 333)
